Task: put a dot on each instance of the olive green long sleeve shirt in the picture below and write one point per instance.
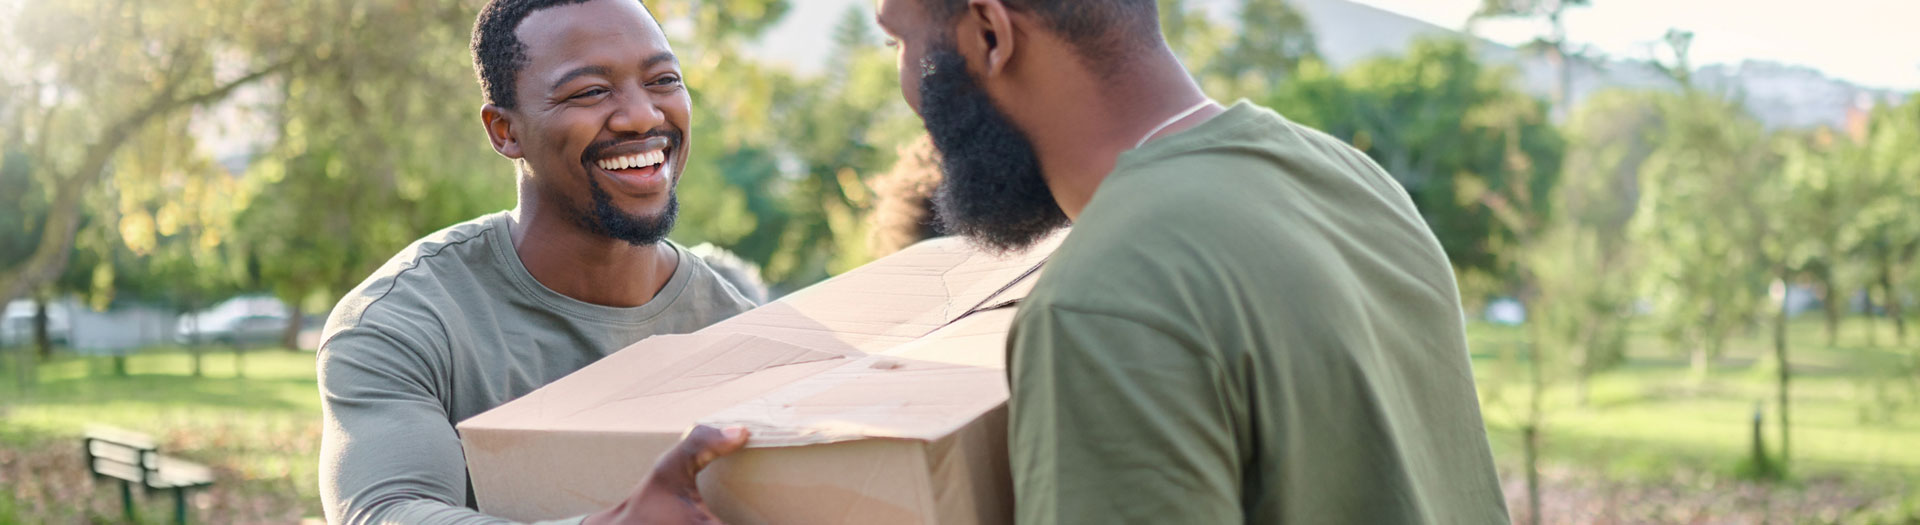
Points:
(1249, 323)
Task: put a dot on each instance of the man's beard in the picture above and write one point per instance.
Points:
(992, 191)
(608, 220)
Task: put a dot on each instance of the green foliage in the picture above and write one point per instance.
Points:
(1708, 210)
(376, 143)
(1583, 266)
(1478, 157)
(1272, 42)
(780, 169)
(22, 203)
(104, 88)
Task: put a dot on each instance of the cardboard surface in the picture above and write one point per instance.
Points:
(878, 396)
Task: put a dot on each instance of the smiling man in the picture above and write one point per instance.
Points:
(1249, 322)
(586, 98)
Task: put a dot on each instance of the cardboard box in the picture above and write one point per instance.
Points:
(878, 396)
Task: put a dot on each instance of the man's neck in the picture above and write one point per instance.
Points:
(1082, 137)
(588, 267)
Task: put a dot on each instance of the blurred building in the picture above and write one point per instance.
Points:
(1780, 95)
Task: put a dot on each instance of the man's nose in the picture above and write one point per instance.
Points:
(637, 112)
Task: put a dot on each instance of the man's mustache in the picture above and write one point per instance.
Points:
(594, 151)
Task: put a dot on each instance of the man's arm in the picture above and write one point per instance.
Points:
(1116, 421)
(389, 455)
(387, 451)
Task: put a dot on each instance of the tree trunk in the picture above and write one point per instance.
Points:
(42, 336)
(1786, 371)
(1873, 325)
(1531, 437)
(1582, 386)
(1759, 459)
(1531, 434)
(1701, 362)
(24, 364)
(290, 337)
(1891, 298)
(193, 342)
(1830, 300)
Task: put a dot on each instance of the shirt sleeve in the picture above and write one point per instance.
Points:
(1116, 421)
(388, 452)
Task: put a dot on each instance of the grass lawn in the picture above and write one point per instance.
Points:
(1651, 422)
(260, 431)
(1853, 406)
(1654, 443)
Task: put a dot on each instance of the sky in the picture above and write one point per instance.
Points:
(1874, 43)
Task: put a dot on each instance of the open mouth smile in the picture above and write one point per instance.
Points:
(638, 168)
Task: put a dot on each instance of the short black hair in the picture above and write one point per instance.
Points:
(498, 54)
(1102, 30)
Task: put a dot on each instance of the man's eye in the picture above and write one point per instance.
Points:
(588, 93)
(893, 42)
(667, 81)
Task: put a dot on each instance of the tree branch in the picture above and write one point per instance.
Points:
(50, 257)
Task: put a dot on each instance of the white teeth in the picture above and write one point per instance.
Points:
(637, 160)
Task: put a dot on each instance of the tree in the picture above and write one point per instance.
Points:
(1825, 172)
(22, 203)
(1585, 265)
(1478, 157)
(109, 70)
(1272, 41)
(1889, 228)
(780, 164)
(1553, 43)
(1695, 218)
(376, 144)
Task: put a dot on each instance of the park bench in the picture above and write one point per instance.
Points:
(133, 459)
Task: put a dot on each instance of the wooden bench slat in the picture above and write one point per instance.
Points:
(114, 469)
(114, 451)
(175, 472)
(122, 437)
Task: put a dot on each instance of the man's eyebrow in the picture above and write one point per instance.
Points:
(580, 72)
(663, 56)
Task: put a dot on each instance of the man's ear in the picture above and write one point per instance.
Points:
(988, 30)
(500, 131)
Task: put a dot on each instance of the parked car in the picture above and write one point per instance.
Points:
(16, 328)
(251, 320)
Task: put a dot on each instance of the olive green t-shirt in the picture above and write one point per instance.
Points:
(449, 328)
(1249, 323)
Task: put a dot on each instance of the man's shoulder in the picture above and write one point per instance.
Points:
(1257, 203)
(414, 281)
(719, 284)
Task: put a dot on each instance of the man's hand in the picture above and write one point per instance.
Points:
(670, 494)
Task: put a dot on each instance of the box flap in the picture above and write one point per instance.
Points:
(896, 299)
(662, 384)
(923, 390)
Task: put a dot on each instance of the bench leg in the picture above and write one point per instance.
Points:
(126, 500)
(180, 506)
